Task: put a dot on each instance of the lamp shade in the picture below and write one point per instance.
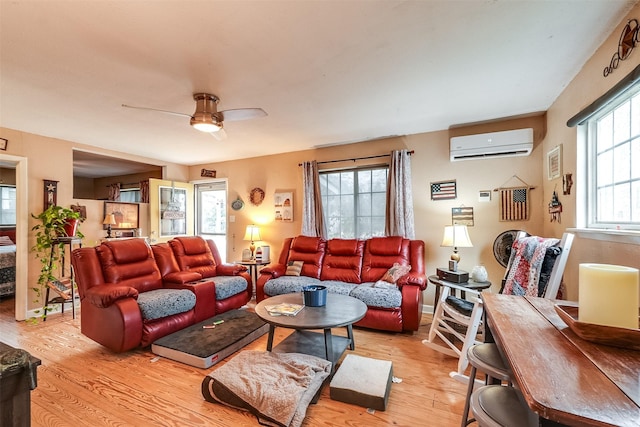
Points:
(456, 236)
(252, 233)
(109, 219)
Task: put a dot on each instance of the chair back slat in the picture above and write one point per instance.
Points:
(558, 267)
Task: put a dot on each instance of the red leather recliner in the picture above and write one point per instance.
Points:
(191, 258)
(110, 277)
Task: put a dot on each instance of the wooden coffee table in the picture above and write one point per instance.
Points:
(340, 311)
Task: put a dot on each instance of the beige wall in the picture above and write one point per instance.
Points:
(430, 163)
(585, 88)
(57, 165)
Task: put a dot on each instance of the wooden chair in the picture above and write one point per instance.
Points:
(457, 322)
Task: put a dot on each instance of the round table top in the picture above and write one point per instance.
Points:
(340, 310)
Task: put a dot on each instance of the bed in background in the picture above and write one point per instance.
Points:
(7, 264)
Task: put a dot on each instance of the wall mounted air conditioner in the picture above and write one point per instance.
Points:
(508, 143)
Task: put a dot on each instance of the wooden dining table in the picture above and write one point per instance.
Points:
(563, 378)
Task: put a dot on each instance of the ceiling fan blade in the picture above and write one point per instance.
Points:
(220, 135)
(242, 114)
(157, 110)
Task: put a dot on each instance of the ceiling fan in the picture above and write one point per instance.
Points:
(207, 118)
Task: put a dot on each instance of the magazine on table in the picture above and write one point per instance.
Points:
(284, 309)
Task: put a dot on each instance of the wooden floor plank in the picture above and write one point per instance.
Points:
(82, 383)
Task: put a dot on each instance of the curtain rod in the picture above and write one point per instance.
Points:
(356, 158)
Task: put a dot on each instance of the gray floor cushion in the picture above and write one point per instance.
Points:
(362, 381)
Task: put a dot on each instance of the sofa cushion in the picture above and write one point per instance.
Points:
(294, 268)
(161, 303)
(131, 263)
(228, 286)
(343, 260)
(310, 250)
(380, 253)
(377, 297)
(193, 245)
(338, 287)
(193, 254)
(288, 284)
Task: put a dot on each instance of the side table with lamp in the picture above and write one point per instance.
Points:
(252, 234)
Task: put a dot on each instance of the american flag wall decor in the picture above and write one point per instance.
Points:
(443, 190)
(514, 204)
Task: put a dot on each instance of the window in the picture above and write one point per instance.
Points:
(130, 195)
(8, 203)
(354, 201)
(613, 170)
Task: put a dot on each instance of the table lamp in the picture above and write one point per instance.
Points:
(252, 234)
(456, 236)
(109, 220)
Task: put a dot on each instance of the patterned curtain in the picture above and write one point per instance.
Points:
(144, 191)
(114, 192)
(399, 213)
(312, 217)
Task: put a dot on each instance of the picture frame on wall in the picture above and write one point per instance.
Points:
(444, 190)
(554, 163)
(283, 203)
(126, 215)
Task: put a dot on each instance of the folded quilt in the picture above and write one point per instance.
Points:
(527, 256)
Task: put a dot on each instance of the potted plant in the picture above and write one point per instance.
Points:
(55, 222)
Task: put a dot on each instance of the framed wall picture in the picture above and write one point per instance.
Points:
(3, 144)
(554, 163)
(283, 203)
(443, 190)
(462, 216)
(125, 214)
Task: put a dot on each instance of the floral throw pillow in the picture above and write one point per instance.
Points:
(294, 268)
(395, 272)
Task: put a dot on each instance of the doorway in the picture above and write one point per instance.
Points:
(22, 233)
(211, 213)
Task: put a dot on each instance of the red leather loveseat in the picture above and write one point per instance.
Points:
(128, 301)
(354, 267)
(188, 259)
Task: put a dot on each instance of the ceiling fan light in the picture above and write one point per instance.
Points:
(206, 124)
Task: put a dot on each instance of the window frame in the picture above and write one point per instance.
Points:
(355, 171)
(592, 167)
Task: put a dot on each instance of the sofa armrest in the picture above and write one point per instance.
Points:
(411, 278)
(274, 270)
(230, 269)
(205, 291)
(103, 296)
(181, 277)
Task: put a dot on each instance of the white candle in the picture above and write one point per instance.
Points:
(608, 295)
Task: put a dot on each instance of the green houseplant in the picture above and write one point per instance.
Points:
(54, 222)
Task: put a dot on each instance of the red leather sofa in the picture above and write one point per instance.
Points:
(125, 296)
(353, 267)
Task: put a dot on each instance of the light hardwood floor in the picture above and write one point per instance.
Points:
(82, 383)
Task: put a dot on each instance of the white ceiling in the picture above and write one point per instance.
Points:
(326, 72)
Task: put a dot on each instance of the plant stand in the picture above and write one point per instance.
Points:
(64, 286)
